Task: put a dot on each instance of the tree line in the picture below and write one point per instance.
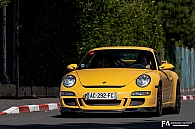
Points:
(53, 34)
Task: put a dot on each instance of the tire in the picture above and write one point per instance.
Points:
(176, 109)
(158, 112)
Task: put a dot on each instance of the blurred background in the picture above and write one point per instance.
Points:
(40, 38)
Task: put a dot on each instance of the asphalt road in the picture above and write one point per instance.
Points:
(53, 120)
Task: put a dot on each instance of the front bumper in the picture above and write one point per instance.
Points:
(123, 103)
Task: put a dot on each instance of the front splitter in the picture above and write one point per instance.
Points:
(144, 109)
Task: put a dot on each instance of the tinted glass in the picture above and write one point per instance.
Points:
(158, 60)
(116, 58)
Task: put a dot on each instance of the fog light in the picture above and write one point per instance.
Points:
(140, 93)
(67, 93)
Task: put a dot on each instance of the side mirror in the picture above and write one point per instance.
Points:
(166, 66)
(164, 61)
(72, 66)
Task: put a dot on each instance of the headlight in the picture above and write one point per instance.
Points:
(143, 80)
(69, 81)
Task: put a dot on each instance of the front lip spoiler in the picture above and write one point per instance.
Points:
(144, 109)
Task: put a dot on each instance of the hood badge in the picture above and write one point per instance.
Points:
(104, 82)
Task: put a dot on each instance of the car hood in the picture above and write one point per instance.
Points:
(109, 76)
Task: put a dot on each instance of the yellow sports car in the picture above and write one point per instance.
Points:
(120, 79)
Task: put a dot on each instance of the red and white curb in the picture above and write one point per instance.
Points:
(31, 108)
(187, 97)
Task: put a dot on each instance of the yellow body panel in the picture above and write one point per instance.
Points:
(123, 47)
(122, 93)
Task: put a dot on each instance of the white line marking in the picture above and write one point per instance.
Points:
(53, 106)
(184, 97)
(12, 110)
(180, 125)
(33, 108)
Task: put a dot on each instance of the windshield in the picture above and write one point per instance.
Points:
(117, 58)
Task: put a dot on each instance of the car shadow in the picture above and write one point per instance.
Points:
(109, 115)
(95, 125)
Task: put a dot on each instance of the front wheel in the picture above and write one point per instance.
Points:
(176, 109)
(158, 112)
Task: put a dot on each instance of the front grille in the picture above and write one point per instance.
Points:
(80, 102)
(70, 102)
(125, 102)
(102, 102)
(137, 101)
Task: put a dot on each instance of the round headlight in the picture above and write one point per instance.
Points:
(69, 81)
(143, 80)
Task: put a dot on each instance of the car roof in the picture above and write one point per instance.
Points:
(123, 47)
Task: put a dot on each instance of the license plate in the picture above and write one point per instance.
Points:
(102, 95)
